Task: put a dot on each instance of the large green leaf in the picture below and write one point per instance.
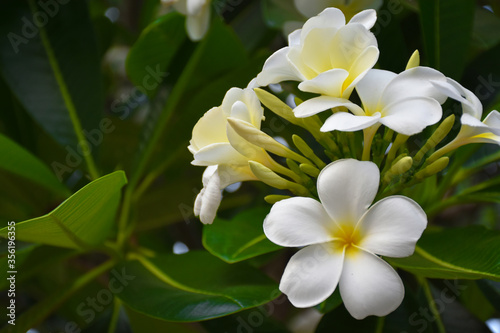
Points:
(455, 253)
(194, 286)
(154, 50)
(54, 70)
(240, 238)
(19, 161)
(447, 41)
(83, 220)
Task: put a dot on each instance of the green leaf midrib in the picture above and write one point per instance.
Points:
(162, 276)
(66, 96)
(445, 264)
(248, 244)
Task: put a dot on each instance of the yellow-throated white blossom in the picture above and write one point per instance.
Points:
(343, 237)
(406, 102)
(214, 143)
(327, 56)
(197, 14)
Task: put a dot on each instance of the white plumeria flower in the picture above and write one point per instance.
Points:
(326, 55)
(215, 143)
(342, 238)
(406, 102)
(197, 14)
(473, 130)
(309, 8)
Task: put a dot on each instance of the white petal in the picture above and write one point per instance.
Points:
(348, 44)
(410, 116)
(197, 25)
(363, 63)
(318, 104)
(371, 87)
(392, 227)
(211, 128)
(277, 68)
(327, 83)
(492, 120)
(312, 275)
(414, 82)
(218, 153)
(347, 188)
(343, 121)
(208, 201)
(330, 18)
(243, 104)
(369, 286)
(366, 17)
(194, 7)
(297, 222)
(294, 37)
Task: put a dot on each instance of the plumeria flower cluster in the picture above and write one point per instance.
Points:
(342, 206)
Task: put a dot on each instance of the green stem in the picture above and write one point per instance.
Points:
(368, 134)
(117, 305)
(432, 304)
(66, 96)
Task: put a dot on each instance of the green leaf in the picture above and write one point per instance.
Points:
(486, 27)
(54, 70)
(331, 302)
(491, 290)
(240, 238)
(84, 219)
(455, 253)
(277, 12)
(19, 161)
(194, 286)
(446, 42)
(154, 51)
(45, 307)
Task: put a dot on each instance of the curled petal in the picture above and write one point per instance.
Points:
(208, 200)
(277, 68)
(392, 227)
(346, 189)
(492, 120)
(414, 82)
(218, 153)
(318, 104)
(312, 275)
(330, 18)
(327, 83)
(298, 222)
(343, 121)
(197, 24)
(470, 103)
(367, 18)
(360, 68)
(369, 286)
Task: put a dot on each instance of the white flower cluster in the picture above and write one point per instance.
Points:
(343, 235)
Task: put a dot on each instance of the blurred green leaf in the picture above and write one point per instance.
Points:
(141, 323)
(42, 309)
(154, 50)
(55, 68)
(486, 26)
(194, 286)
(491, 290)
(84, 219)
(277, 12)
(331, 302)
(19, 161)
(240, 238)
(455, 253)
(446, 42)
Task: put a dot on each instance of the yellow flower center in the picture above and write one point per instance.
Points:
(346, 237)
